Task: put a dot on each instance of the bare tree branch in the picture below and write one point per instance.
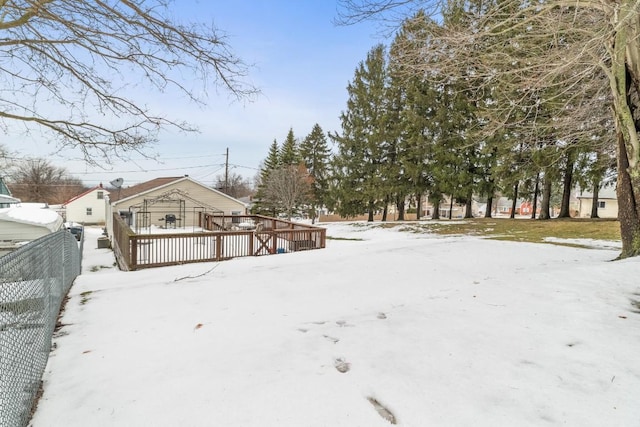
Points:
(71, 67)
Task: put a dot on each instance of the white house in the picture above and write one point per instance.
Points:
(607, 203)
(88, 207)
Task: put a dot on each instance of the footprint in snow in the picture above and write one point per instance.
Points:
(341, 365)
(382, 410)
(332, 339)
(342, 323)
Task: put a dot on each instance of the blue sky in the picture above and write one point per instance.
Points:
(302, 63)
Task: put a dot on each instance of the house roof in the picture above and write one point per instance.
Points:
(124, 193)
(74, 198)
(608, 192)
(154, 184)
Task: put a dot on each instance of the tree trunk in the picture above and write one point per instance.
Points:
(594, 200)
(515, 201)
(546, 199)
(400, 204)
(370, 218)
(436, 208)
(451, 207)
(313, 213)
(385, 211)
(419, 207)
(628, 209)
(536, 189)
(625, 79)
(469, 205)
(567, 183)
(489, 208)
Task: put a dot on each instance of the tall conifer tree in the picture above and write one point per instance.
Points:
(358, 165)
(314, 152)
(271, 163)
(289, 151)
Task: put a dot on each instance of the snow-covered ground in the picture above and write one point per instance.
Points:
(381, 326)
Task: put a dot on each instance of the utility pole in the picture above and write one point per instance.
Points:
(226, 172)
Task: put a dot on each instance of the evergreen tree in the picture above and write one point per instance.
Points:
(360, 183)
(274, 159)
(289, 152)
(314, 152)
(271, 163)
(412, 102)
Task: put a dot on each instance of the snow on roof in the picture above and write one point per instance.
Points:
(32, 215)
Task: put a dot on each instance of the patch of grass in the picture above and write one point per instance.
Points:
(95, 268)
(84, 297)
(343, 238)
(386, 225)
(527, 230)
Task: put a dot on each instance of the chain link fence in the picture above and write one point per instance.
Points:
(33, 282)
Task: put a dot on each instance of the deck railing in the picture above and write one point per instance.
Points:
(224, 237)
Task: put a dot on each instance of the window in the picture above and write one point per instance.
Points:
(601, 205)
(89, 212)
(235, 214)
(100, 195)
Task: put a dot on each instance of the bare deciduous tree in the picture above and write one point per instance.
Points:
(70, 67)
(235, 185)
(39, 181)
(288, 188)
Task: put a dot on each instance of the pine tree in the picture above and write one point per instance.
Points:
(419, 101)
(271, 163)
(314, 152)
(273, 160)
(359, 180)
(289, 152)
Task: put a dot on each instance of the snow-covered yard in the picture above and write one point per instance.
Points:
(381, 326)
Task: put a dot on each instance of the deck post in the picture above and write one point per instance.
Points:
(133, 261)
(218, 247)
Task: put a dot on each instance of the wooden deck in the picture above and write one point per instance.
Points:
(224, 237)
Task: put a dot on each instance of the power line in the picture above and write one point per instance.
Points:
(244, 167)
(145, 170)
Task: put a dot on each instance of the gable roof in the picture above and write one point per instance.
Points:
(143, 187)
(608, 192)
(155, 184)
(74, 198)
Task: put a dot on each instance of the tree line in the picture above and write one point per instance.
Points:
(551, 84)
(405, 137)
(472, 97)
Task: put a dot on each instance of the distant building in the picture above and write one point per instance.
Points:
(607, 203)
(88, 207)
(6, 199)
